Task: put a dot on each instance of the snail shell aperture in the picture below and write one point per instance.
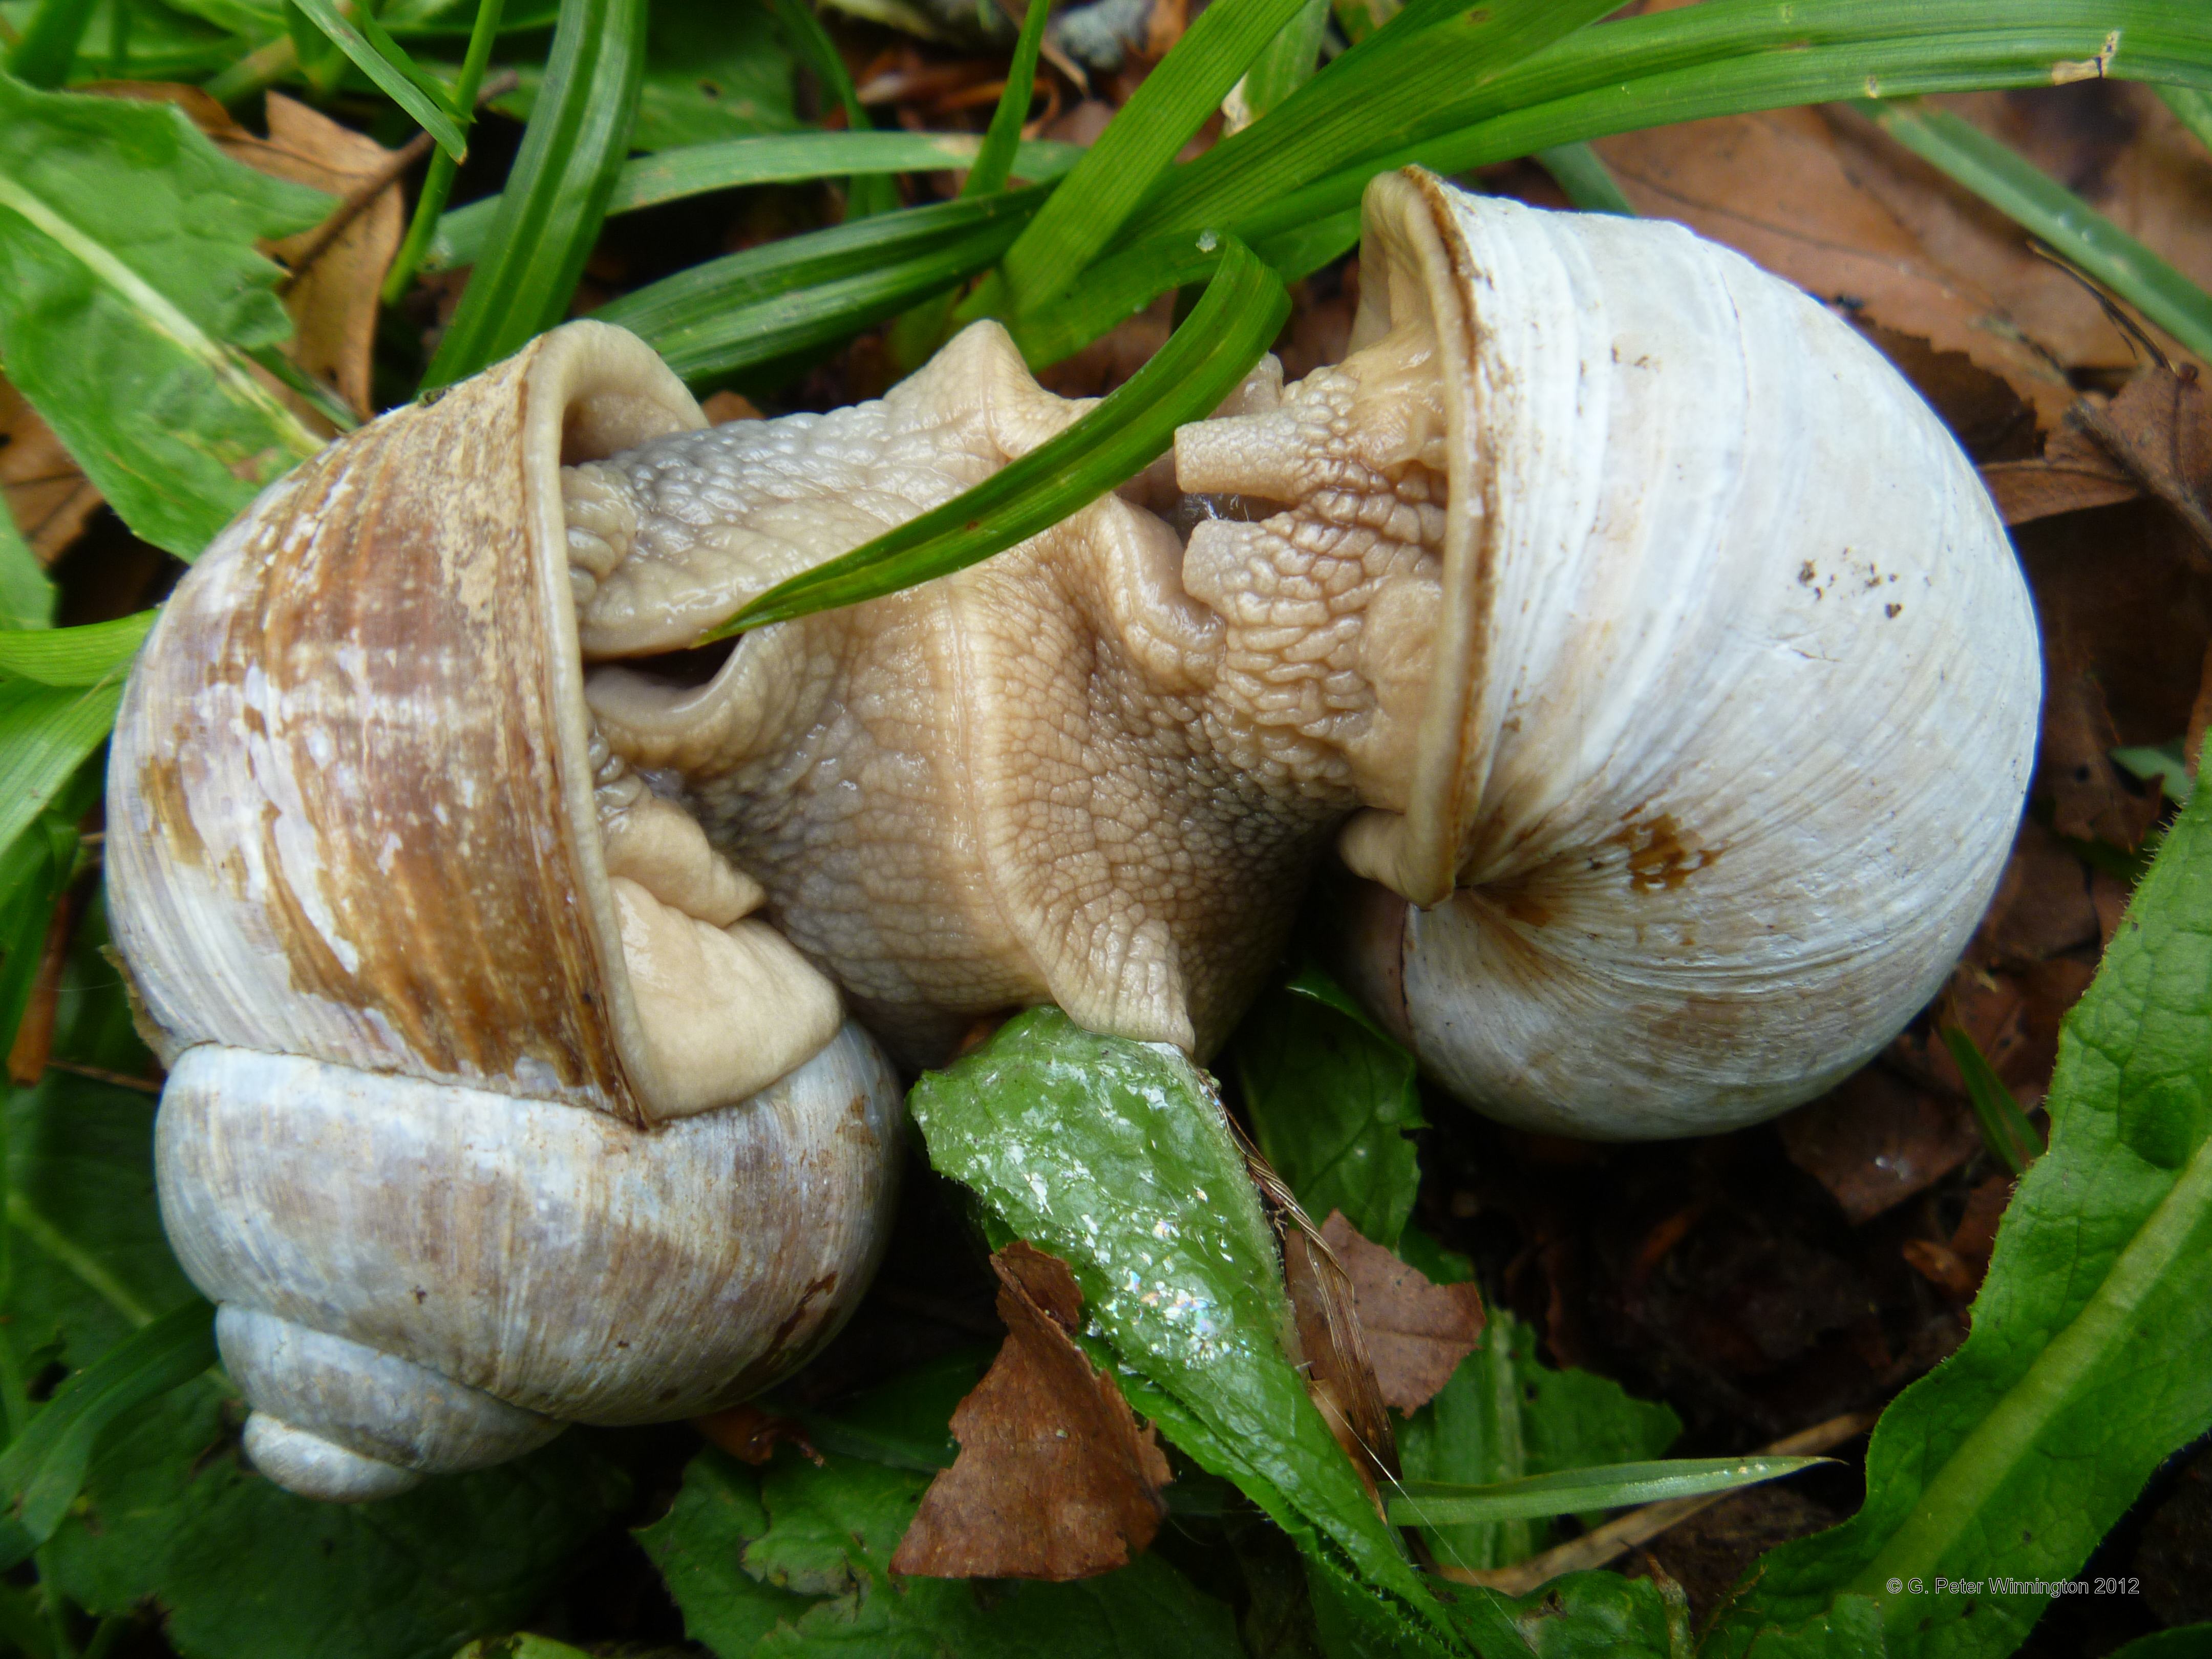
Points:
(1636, 637)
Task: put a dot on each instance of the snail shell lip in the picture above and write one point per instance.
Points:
(315, 1467)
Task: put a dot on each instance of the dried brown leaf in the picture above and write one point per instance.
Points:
(2159, 432)
(51, 500)
(1416, 1332)
(1054, 1480)
(1875, 1140)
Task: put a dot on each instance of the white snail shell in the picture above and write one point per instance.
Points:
(489, 1108)
(1735, 700)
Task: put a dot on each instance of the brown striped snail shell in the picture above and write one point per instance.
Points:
(489, 1108)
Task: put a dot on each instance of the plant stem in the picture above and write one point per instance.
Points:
(43, 56)
(438, 183)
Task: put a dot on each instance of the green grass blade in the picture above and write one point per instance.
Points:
(1287, 62)
(1616, 1485)
(867, 194)
(2193, 105)
(438, 181)
(556, 195)
(781, 158)
(1138, 145)
(2009, 1136)
(1238, 317)
(1588, 181)
(380, 58)
(755, 307)
(46, 733)
(48, 47)
(1440, 108)
(995, 164)
(27, 592)
(1380, 93)
(2040, 204)
(74, 656)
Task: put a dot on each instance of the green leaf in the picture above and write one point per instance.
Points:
(2084, 1366)
(520, 1647)
(26, 594)
(43, 55)
(1503, 1416)
(794, 1561)
(45, 734)
(44, 1469)
(1331, 1102)
(35, 869)
(438, 178)
(2193, 105)
(736, 163)
(906, 1423)
(92, 655)
(384, 61)
(764, 305)
(1115, 1156)
(2185, 1642)
(1138, 145)
(120, 305)
(1601, 1615)
(1588, 184)
(1606, 1486)
(556, 192)
(2007, 1133)
(1241, 312)
(2163, 764)
(994, 163)
(2032, 199)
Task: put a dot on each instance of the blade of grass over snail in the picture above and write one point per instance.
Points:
(557, 194)
(867, 194)
(1389, 106)
(1609, 1486)
(2038, 204)
(779, 158)
(47, 46)
(1138, 145)
(42, 1472)
(1237, 319)
(754, 307)
(438, 181)
(384, 61)
(2007, 1133)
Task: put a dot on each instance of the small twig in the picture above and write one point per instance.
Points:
(363, 195)
(1616, 1538)
(101, 1074)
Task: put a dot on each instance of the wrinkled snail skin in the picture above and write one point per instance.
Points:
(490, 1107)
(1611, 600)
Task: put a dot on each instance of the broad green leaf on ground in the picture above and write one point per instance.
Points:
(776, 158)
(1237, 319)
(128, 284)
(1331, 1102)
(44, 1468)
(26, 595)
(711, 72)
(2185, 1642)
(75, 657)
(794, 1560)
(557, 191)
(907, 1422)
(1115, 1156)
(1504, 1416)
(169, 1515)
(2085, 1367)
(46, 733)
(1601, 1615)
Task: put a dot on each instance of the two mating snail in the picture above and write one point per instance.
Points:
(1636, 638)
